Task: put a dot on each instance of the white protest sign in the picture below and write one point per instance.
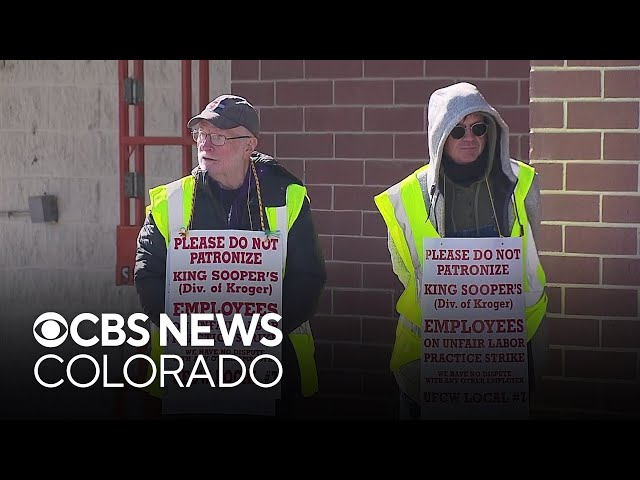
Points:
(224, 272)
(474, 352)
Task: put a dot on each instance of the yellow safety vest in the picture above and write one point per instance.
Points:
(403, 209)
(171, 208)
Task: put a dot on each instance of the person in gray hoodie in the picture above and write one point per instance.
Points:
(471, 188)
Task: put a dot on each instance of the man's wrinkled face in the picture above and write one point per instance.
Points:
(222, 160)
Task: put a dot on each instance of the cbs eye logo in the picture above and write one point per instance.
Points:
(50, 329)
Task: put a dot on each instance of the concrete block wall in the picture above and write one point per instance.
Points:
(349, 129)
(585, 142)
(59, 135)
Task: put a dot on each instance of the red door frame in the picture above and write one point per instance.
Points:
(133, 144)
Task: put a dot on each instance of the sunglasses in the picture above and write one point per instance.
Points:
(478, 129)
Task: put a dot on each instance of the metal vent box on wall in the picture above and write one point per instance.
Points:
(43, 208)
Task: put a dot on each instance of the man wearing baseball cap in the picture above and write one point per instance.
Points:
(236, 187)
(229, 111)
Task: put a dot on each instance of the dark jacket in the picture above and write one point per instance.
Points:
(305, 274)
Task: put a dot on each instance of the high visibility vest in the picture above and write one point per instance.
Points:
(403, 209)
(171, 208)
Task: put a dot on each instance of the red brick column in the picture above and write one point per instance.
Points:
(585, 142)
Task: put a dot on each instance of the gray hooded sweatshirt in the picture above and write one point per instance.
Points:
(447, 107)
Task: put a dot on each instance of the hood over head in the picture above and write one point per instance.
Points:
(447, 107)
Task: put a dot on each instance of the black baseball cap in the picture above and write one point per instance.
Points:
(229, 111)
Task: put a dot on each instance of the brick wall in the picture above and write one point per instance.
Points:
(585, 142)
(349, 129)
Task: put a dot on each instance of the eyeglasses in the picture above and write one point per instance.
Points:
(478, 129)
(218, 140)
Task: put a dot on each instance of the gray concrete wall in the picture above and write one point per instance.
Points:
(59, 135)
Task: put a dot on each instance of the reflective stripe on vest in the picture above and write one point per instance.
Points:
(171, 208)
(404, 212)
(282, 218)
